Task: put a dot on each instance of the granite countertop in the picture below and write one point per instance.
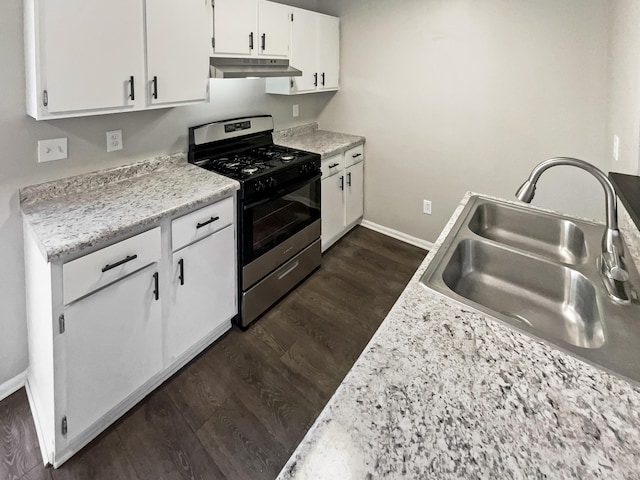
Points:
(76, 213)
(444, 392)
(309, 138)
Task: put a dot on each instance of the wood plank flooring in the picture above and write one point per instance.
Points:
(239, 410)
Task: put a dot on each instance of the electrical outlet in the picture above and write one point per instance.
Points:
(426, 207)
(296, 110)
(54, 149)
(616, 148)
(114, 140)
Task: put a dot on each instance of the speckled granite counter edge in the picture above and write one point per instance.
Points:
(323, 142)
(76, 215)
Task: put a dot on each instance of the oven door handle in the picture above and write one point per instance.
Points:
(283, 191)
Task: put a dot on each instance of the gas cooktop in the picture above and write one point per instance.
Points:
(256, 162)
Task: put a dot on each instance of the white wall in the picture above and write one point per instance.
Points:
(145, 134)
(624, 84)
(457, 95)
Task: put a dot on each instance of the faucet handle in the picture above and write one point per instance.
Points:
(614, 267)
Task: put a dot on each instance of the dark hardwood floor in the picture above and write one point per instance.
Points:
(239, 410)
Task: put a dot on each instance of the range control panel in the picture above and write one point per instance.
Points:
(237, 126)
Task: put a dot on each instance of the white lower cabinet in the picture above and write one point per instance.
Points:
(203, 293)
(332, 204)
(354, 193)
(113, 345)
(342, 194)
(108, 327)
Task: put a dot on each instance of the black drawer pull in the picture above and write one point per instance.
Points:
(181, 276)
(323, 79)
(333, 165)
(132, 84)
(251, 41)
(204, 224)
(342, 182)
(349, 179)
(121, 262)
(154, 94)
(264, 41)
(156, 286)
(356, 155)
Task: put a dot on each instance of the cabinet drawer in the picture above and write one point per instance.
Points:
(332, 165)
(97, 269)
(354, 155)
(199, 224)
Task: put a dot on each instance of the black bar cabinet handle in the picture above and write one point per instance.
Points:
(315, 79)
(156, 286)
(204, 224)
(108, 267)
(342, 182)
(323, 79)
(349, 179)
(181, 276)
(356, 155)
(251, 41)
(155, 87)
(333, 165)
(264, 41)
(132, 85)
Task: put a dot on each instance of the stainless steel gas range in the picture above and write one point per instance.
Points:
(278, 207)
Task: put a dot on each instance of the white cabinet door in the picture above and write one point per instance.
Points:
(203, 296)
(304, 46)
(328, 52)
(113, 345)
(354, 193)
(178, 45)
(88, 65)
(332, 209)
(234, 27)
(274, 29)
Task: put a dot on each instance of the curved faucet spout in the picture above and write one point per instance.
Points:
(611, 261)
(527, 190)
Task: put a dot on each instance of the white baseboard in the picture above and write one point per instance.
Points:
(12, 385)
(403, 237)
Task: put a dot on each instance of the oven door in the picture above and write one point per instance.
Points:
(290, 214)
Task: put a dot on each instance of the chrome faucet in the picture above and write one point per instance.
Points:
(611, 262)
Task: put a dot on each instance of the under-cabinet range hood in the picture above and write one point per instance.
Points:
(251, 68)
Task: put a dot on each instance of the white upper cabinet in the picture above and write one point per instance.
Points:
(315, 49)
(251, 28)
(85, 57)
(328, 52)
(177, 50)
(234, 27)
(87, 66)
(303, 53)
(274, 29)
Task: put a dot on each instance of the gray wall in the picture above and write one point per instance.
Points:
(145, 134)
(461, 95)
(624, 84)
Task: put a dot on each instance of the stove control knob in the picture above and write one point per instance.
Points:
(271, 182)
(260, 187)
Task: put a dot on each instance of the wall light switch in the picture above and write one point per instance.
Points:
(296, 110)
(114, 140)
(616, 148)
(426, 207)
(54, 149)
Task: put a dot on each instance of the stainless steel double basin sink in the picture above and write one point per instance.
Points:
(537, 272)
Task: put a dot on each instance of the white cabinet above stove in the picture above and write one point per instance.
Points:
(251, 28)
